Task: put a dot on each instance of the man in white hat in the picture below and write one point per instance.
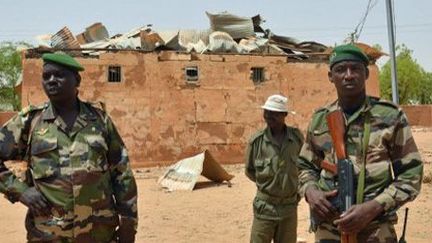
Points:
(271, 163)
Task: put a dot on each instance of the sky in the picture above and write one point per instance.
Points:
(327, 22)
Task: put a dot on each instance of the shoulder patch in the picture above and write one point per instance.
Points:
(28, 109)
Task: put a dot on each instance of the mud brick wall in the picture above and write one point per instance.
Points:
(419, 115)
(162, 118)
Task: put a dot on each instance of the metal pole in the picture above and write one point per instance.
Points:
(390, 26)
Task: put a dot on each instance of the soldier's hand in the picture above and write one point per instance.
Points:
(126, 231)
(358, 216)
(319, 203)
(36, 202)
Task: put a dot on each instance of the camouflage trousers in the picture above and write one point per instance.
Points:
(281, 231)
(91, 232)
(374, 233)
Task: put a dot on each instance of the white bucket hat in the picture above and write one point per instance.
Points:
(276, 103)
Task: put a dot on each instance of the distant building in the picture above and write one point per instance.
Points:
(169, 105)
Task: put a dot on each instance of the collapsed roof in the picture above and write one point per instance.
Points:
(228, 33)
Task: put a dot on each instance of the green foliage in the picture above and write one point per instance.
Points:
(414, 83)
(10, 71)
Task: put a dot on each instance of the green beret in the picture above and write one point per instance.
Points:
(64, 60)
(348, 52)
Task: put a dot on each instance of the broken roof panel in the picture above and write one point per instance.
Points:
(222, 42)
(194, 36)
(257, 21)
(64, 39)
(95, 32)
(228, 33)
(171, 39)
(370, 51)
(199, 47)
(150, 40)
(292, 45)
(96, 44)
(237, 27)
(184, 174)
(260, 45)
(126, 43)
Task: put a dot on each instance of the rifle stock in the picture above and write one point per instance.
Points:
(336, 125)
(345, 170)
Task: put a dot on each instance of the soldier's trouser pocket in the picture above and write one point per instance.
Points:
(281, 231)
(33, 233)
(104, 229)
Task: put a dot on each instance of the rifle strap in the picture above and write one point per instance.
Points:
(365, 143)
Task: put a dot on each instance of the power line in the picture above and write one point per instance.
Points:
(355, 35)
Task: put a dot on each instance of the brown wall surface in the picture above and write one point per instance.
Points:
(5, 116)
(162, 118)
(419, 115)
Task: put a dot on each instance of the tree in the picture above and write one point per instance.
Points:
(10, 71)
(414, 83)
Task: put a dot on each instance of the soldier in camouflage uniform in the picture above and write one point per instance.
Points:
(271, 163)
(80, 187)
(393, 167)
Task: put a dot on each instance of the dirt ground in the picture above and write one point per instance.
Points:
(219, 213)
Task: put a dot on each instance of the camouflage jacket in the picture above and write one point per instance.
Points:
(393, 165)
(83, 173)
(273, 169)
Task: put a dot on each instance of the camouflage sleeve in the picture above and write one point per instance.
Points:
(300, 137)
(124, 185)
(249, 162)
(309, 172)
(12, 147)
(407, 167)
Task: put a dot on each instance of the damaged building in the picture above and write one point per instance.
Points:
(173, 94)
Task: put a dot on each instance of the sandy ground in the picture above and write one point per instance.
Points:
(219, 213)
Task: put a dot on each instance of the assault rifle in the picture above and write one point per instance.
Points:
(345, 170)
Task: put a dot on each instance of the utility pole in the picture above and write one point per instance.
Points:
(390, 26)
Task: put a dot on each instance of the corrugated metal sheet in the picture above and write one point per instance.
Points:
(222, 42)
(150, 40)
(171, 39)
(194, 36)
(228, 33)
(184, 174)
(198, 47)
(95, 32)
(126, 43)
(136, 31)
(237, 27)
(293, 45)
(64, 39)
(96, 44)
(259, 45)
